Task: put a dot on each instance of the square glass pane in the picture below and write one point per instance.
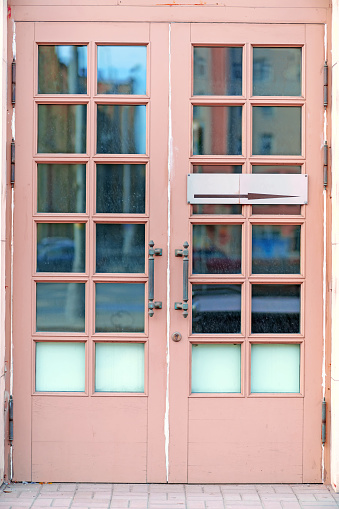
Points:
(216, 208)
(121, 129)
(276, 71)
(61, 247)
(217, 70)
(276, 249)
(59, 367)
(217, 130)
(119, 367)
(60, 307)
(275, 368)
(119, 307)
(120, 247)
(216, 368)
(275, 309)
(121, 188)
(276, 130)
(122, 69)
(62, 69)
(216, 249)
(61, 188)
(216, 309)
(62, 128)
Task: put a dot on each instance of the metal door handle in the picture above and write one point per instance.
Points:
(183, 305)
(151, 254)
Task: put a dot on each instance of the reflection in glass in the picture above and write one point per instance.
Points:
(276, 209)
(216, 208)
(121, 129)
(276, 71)
(275, 368)
(61, 188)
(216, 309)
(60, 307)
(216, 249)
(61, 247)
(120, 247)
(119, 307)
(62, 128)
(119, 367)
(217, 130)
(276, 249)
(62, 69)
(59, 367)
(121, 188)
(217, 70)
(275, 309)
(216, 368)
(122, 69)
(276, 130)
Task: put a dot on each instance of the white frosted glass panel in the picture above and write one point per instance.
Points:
(275, 368)
(60, 367)
(119, 367)
(216, 368)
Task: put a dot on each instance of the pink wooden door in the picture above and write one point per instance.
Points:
(121, 114)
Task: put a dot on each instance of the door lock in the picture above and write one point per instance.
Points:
(176, 336)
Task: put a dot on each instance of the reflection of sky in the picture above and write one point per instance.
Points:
(66, 55)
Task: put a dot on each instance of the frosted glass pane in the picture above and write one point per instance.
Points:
(119, 367)
(216, 368)
(60, 367)
(275, 368)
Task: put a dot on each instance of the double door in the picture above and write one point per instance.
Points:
(157, 339)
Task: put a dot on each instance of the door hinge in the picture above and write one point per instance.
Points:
(11, 418)
(325, 172)
(13, 81)
(12, 163)
(323, 422)
(325, 84)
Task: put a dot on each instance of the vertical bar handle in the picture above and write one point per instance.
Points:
(151, 254)
(184, 304)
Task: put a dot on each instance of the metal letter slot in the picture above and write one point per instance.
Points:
(151, 254)
(183, 305)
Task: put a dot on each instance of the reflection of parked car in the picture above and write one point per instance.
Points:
(55, 254)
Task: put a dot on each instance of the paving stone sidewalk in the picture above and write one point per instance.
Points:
(166, 496)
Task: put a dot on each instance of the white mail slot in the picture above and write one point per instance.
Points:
(247, 189)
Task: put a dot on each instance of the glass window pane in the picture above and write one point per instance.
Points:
(60, 307)
(61, 247)
(122, 69)
(62, 128)
(120, 247)
(216, 368)
(275, 309)
(217, 209)
(60, 367)
(119, 367)
(61, 188)
(121, 188)
(216, 249)
(62, 69)
(276, 71)
(119, 307)
(217, 70)
(276, 168)
(275, 368)
(276, 249)
(276, 130)
(121, 129)
(217, 130)
(216, 309)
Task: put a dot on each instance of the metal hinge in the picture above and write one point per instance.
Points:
(325, 84)
(323, 422)
(11, 418)
(325, 172)
(12, 163)
(13, 81)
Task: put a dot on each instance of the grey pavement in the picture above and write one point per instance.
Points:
(166, 496)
